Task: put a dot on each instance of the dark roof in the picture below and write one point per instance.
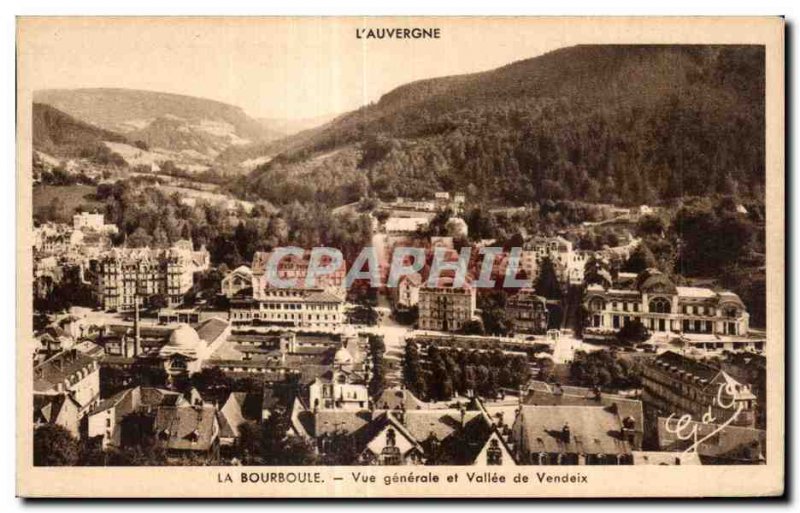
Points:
(349, 421)
(688, 365)
(230, 416)
(578, 396)
(186, 427)
(47, 408)
(464, 446)
(395, 398)
(593, 430)
(66, 365)
(210, 329)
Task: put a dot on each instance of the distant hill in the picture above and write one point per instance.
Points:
(612, 123)
(196, 129)
(59, 134)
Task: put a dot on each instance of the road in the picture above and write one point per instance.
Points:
(394, 336)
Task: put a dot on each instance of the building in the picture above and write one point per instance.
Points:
(528, 312)
(404, 225)
(180, 349)
(70, 373)
(128, 276)
(675, 384)
(573, 435)
(188, 430)
(85, 221)
(664, 307)
(446, 308)
(341, 388)
(59, 409)
(292, 268)
(442, 436)
(718, 445)
(406, 294)
(237, 281)
(305, 308)
(114, 420)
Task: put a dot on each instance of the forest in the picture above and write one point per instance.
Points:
(617, 124)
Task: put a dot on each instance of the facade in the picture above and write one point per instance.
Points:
(446, 308)
(406, 294)
(237, 281)
(295, 269)
(568, 262)
(444, 436)
(92, 222)
(664, 307)
(107, 420)
(130, 275)
(59, 409)
(306, 308)
(72, 373)
(573, 435)
(676, 384)
(528, 312)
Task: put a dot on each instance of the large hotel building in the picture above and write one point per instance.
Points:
(130, 275)
(664, 307)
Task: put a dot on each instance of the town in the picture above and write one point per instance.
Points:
(173, 346)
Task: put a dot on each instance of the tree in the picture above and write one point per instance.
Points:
(212, 383)
(53, 445)
(473, 327)
(633, 332)
(547, 283)
(641, 258)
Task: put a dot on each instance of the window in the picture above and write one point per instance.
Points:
(390, 455)
(660, 305)
(494, 455)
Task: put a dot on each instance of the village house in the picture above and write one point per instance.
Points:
(427, 436)
(70, 373)
(406, 295)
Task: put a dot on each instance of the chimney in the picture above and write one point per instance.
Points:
(565, 433)
(463, 412)
(137, 337)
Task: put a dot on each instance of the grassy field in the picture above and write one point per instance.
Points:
(72, 197)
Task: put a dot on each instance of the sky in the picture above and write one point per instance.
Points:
(284, 68)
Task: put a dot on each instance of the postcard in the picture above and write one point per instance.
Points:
(430, 257)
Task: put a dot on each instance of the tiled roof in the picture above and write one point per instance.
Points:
(323, 297)
(186, 427)
(731, 443)
(230, 415)
(395, 398)
(65, 365)
(442, 423)
(688, 365)
(211, 329)
(349, 421)
(593, 430)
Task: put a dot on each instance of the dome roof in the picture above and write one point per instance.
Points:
(185, 337)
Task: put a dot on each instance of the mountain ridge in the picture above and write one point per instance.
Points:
(606, 122)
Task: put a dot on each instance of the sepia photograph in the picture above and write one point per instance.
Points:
(349, 257)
